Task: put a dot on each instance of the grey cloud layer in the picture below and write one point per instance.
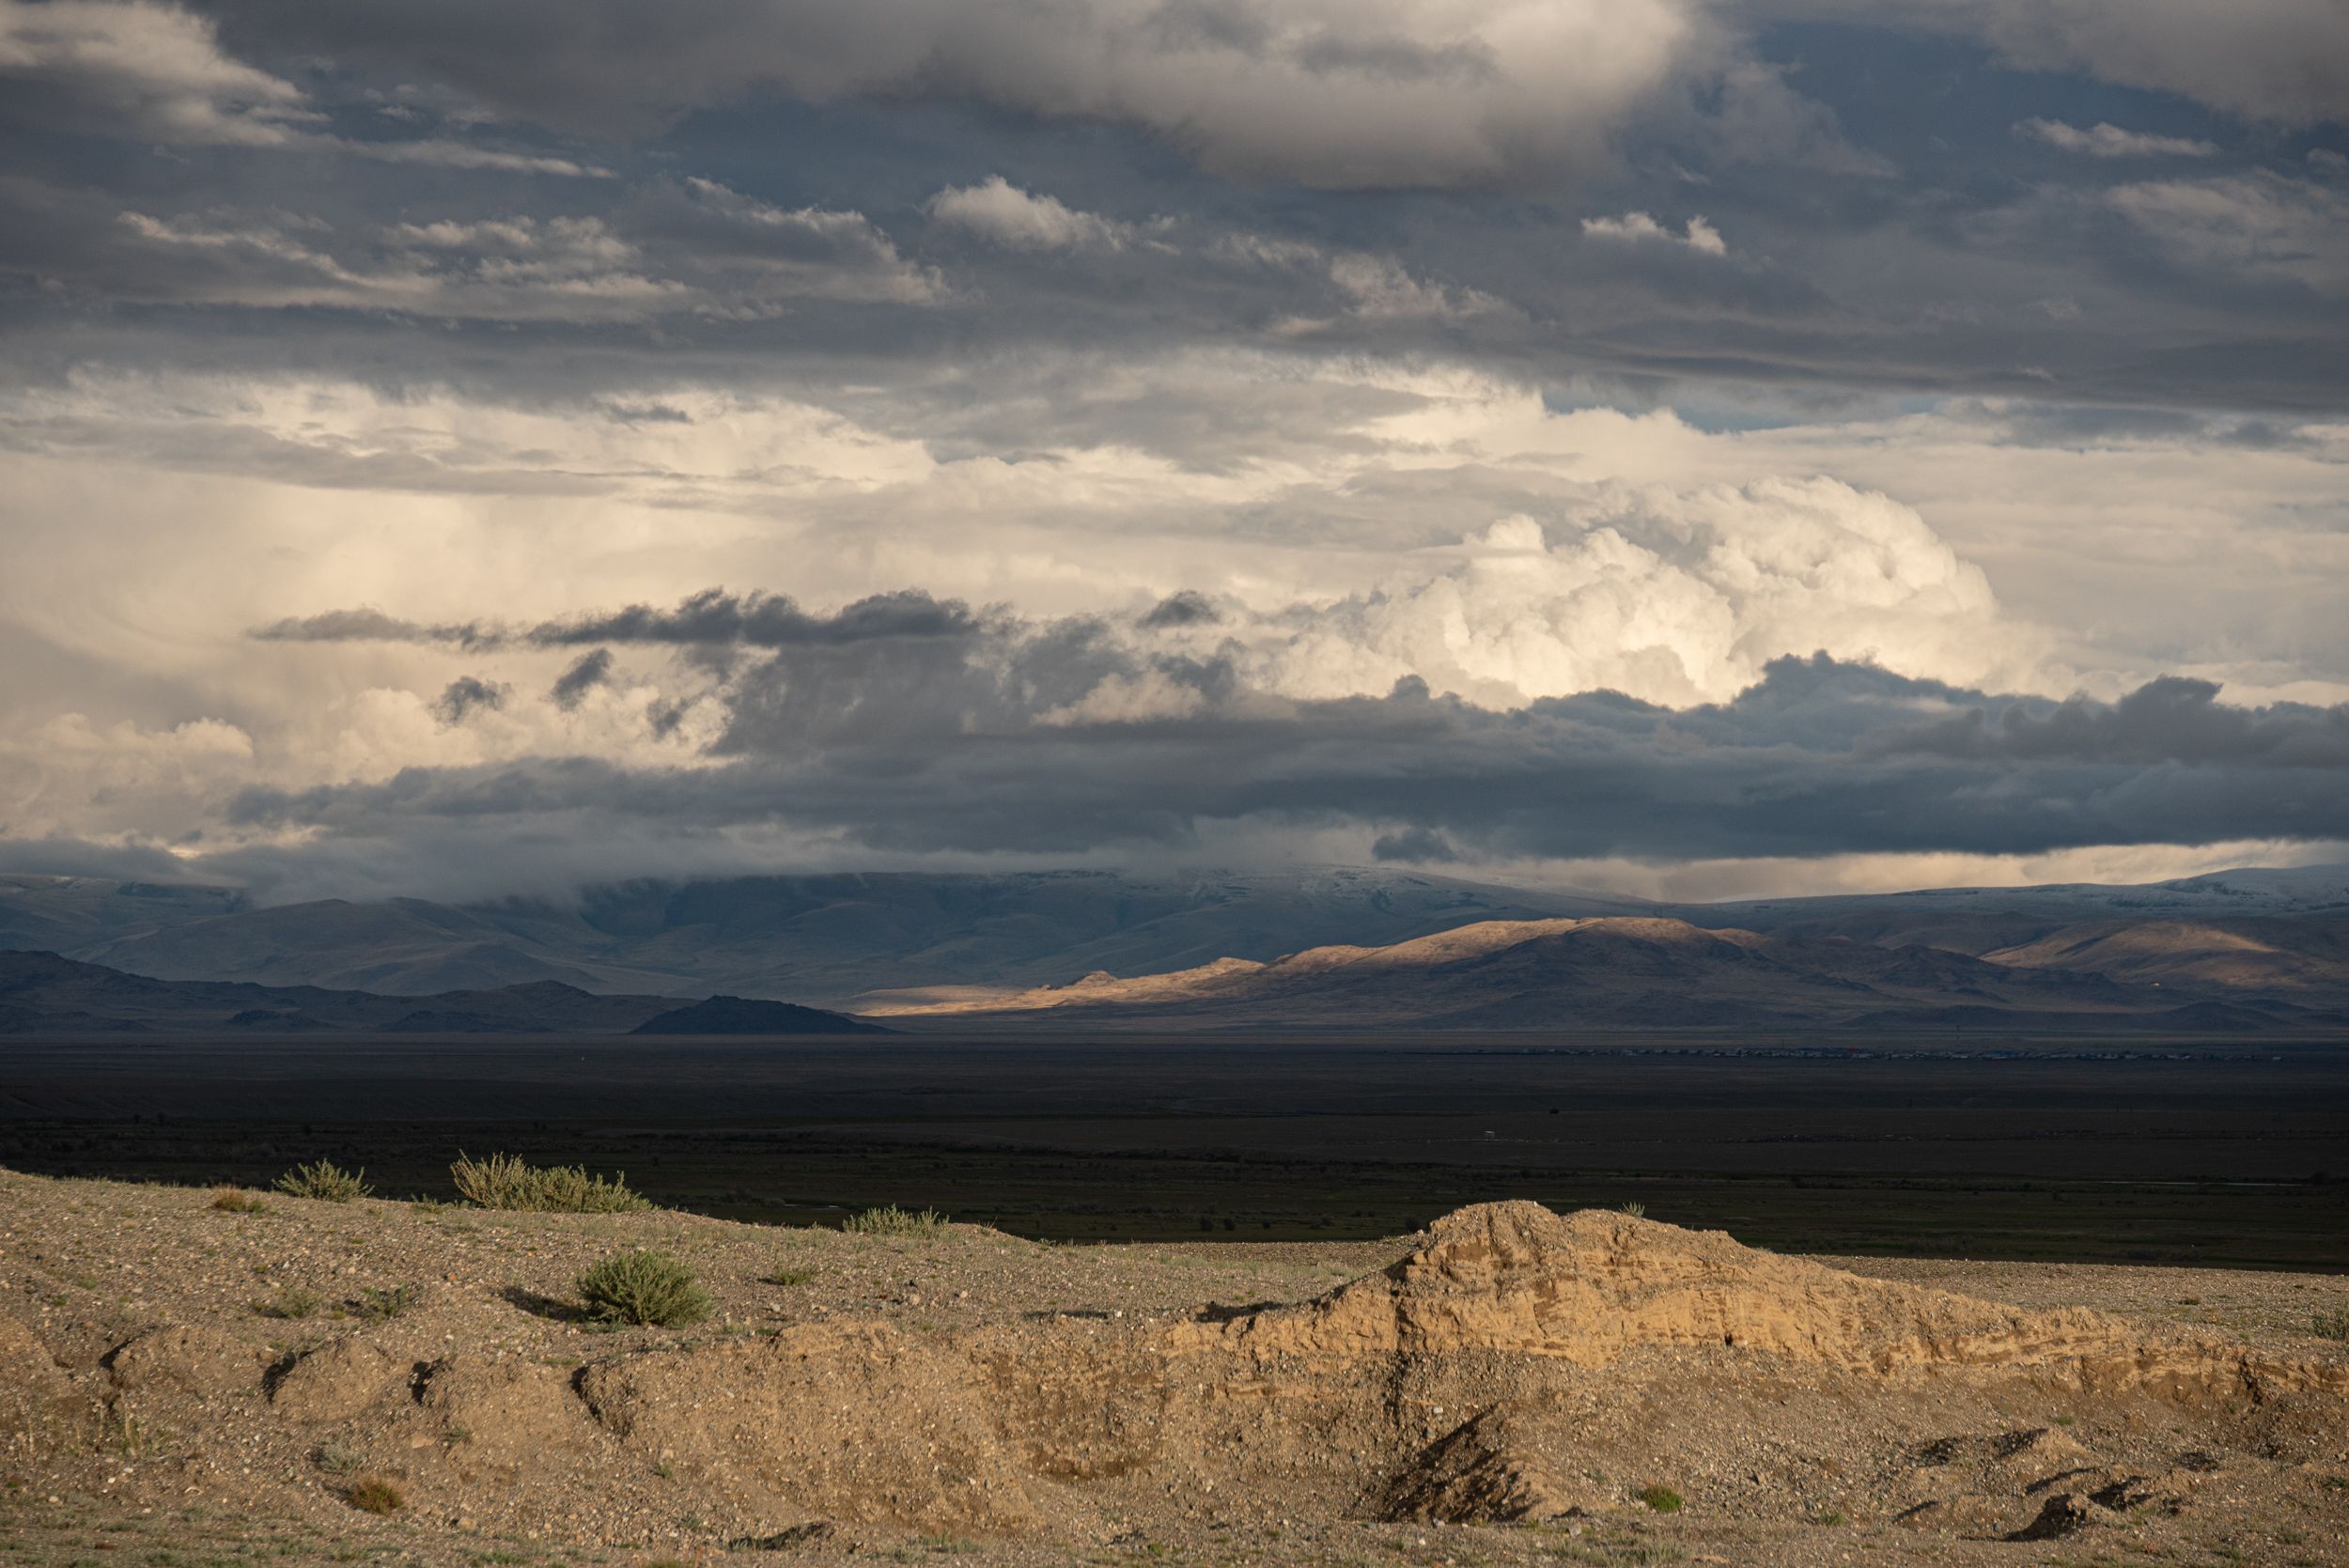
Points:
(713, 617)
(1820, 758)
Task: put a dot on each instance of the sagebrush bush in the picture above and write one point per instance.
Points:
(894, 1221)
(503, 1182)
(324, 1180)
(643, 1286)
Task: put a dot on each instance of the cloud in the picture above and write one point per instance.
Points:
(1669, 594)
(1755, 118)
(710, 618)
(2103, 140)
(2260, 226)
(770, 250)
(467, 695)
(2277, 60)
(151, 70)
(1636, 227)
(1004, 214)
(2171, 720)
(582, 675)
(1328, 93)
(1187, 608)
(1806, 762)
(157, 73)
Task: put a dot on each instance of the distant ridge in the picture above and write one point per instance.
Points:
(749, 1016)
(42, 993)
(1635, 972)
(1361, 947)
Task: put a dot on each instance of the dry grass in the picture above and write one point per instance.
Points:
(503, 1182)
(374, 1495)
(325, 1181)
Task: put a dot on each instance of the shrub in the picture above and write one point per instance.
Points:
(374, 1495)
(503, 1182)
(894, 1221)
(381, 1306)
(236, 1199)
(335, 1459)
(2333, 1325)
(289, 1301)
(1661, 1500)
(645, 1287)
(326, 1181)
(1636, 1211)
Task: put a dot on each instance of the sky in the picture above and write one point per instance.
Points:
(1688, 447)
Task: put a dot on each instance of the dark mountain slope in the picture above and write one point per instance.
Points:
(43, 993)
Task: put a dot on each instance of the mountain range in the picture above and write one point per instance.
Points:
(2248, 950)
(46, 994)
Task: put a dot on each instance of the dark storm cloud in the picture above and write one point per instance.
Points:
(1990, 264)
(366, 625)
(1414, 846)
(467, 695)
(2170, 720)
(1187, 608)
(711, 618)
(765, 621)
(588, 672)
(896, 749)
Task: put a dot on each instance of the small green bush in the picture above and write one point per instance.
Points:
(894, 1221)
(503, 1182)
(290, 1301)
(326, 1181)
(2333, 1325)
(374, 1495)
(1636, 1210)
(236, 1199)
(381, 1306)
(1661, 1500)
(645, 1287)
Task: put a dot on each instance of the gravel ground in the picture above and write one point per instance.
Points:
(189, 1462)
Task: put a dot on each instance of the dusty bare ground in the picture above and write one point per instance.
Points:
(1500, 1389)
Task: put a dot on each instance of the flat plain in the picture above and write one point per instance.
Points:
(2177, 1151)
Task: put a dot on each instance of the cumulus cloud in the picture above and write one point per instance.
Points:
(1637, 227)
(2105, 140)
(1669, 594)
(1002, 214)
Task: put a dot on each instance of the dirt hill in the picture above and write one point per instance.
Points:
(1511, 1385)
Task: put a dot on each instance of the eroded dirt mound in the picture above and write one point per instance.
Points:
(1514, 1364)
(1593, 1287)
